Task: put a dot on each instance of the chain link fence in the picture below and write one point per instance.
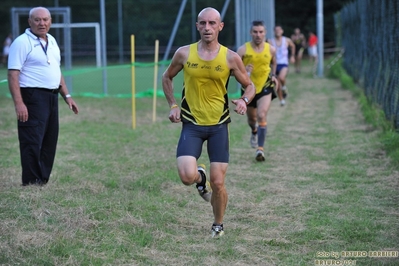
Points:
(369, 34)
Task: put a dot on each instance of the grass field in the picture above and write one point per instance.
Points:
(114, 197)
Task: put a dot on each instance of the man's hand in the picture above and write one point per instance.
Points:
(275, 81)
(22, 112)
(249, 68)
(174, 115)
(292, 59)
(72, 105)
(241, 106)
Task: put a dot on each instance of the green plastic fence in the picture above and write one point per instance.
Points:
(88, 81)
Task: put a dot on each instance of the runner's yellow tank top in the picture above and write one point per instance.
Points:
(204, 97)
(261, 62)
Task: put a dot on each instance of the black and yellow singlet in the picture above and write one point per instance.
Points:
(261, 62)
(204, 96)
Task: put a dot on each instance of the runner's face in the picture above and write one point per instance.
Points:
(209, 25)
(40, 22)
(258, 34)
(278, 31)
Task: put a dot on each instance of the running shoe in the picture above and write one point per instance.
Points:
(260, 156)
(204, 191)
(217, 230)
(282, 102)
(254, 140)
(285, 92)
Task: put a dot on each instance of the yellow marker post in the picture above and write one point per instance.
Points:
(133, 83)
(154, 101)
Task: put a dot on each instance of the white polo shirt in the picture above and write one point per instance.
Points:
(38, 67)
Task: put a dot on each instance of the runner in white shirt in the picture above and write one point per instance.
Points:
(281, 43)
(6, 48)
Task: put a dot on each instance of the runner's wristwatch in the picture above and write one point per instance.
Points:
(245, 100)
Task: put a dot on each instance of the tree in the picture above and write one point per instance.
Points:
(302, 14)
(154, 19)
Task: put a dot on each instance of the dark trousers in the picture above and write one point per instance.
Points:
(38, 136)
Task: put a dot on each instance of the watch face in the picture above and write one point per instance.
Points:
(246, 99)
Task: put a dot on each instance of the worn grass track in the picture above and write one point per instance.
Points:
(114, 197)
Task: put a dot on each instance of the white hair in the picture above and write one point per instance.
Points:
(38, 8)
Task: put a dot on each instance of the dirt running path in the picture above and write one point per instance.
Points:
(323, 164)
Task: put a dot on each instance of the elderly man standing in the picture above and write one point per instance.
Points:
(35, 80)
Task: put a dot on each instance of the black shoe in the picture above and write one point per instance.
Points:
(260, 156)
(217, 230)
(205, 190)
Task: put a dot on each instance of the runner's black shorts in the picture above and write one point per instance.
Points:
(266, 90)
(192, 138)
